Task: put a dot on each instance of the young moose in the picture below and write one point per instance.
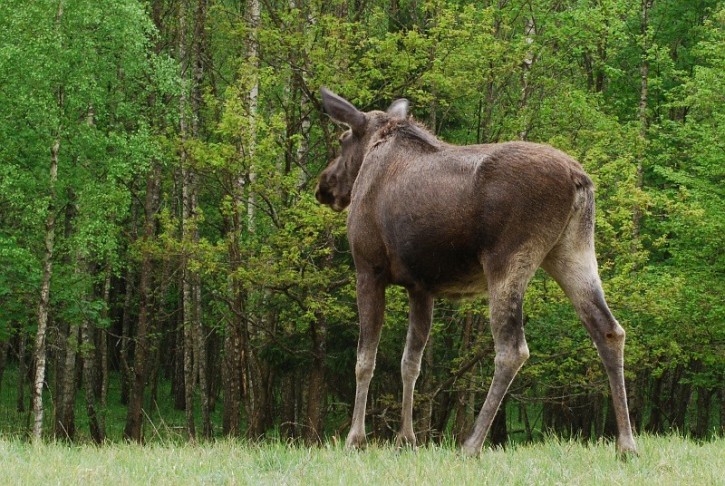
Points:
(444, 220)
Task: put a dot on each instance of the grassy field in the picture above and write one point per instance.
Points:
(662, 461)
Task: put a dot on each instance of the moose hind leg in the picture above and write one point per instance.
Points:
(578, 276)
(421, 311)
(608, 337)
(505, 303)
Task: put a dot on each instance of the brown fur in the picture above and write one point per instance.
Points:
(446, 220)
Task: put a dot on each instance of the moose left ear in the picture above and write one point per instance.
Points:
(399, 108)
(343, 111)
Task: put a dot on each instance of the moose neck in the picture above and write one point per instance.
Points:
(407, 130)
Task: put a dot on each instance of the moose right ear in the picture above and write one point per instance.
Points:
(343, 111)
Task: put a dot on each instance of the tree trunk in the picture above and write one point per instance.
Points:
(679, 400)
(288, 417)
(637, 400)
(134, 416)
(255, 398)
(201, 361)
(199, 47)
(232, 378)
(186, 211)
(40, 336)
(194, 347)
(90, 375)
(124, 354)
(66, 342)
(232, 362)
(199, 60)
(177, 379)
(524, 414)
(445, 399)
(22, 371)
(702, 423)
(214, 367)
(188, 362)
(259, 379)
(89, 353)
(722, 410)
(655, 417)
(103, 345)
(4, 346)
(464, 419)
(642, 111)
(683, 403)
(65, 399)
(252, 101)
(316, 389)
(259, 394)
(525, 86)
(160, 287)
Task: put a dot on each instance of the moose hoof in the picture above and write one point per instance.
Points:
(355, 442)
(470, 450)
(404, 441)
(626, 450)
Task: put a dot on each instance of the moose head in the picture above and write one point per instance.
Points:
(336, 181)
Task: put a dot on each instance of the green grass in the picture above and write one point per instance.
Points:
(169, 459)
(662, 461)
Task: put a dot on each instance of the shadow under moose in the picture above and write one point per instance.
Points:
(455, 221)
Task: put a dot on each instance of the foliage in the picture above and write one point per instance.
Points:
(200, 91)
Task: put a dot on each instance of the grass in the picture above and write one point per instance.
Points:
(169, 459)
(662, 461)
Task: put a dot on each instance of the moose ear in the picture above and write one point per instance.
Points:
(399, 108)
(343, 111)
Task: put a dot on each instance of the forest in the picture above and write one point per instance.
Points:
(163, 260)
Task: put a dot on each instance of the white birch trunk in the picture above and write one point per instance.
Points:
(40, 336)
(526, 66)
(252, 100)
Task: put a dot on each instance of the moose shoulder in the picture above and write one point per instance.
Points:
(445, 220)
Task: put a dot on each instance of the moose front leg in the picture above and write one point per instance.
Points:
(421, 314)
(371, 308)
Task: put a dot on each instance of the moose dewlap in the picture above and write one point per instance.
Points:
(447, 220)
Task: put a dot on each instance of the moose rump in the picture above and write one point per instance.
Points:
(452, 221)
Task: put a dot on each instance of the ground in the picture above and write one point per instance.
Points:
(663, 461)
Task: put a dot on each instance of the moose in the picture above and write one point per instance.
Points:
(453, 221)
